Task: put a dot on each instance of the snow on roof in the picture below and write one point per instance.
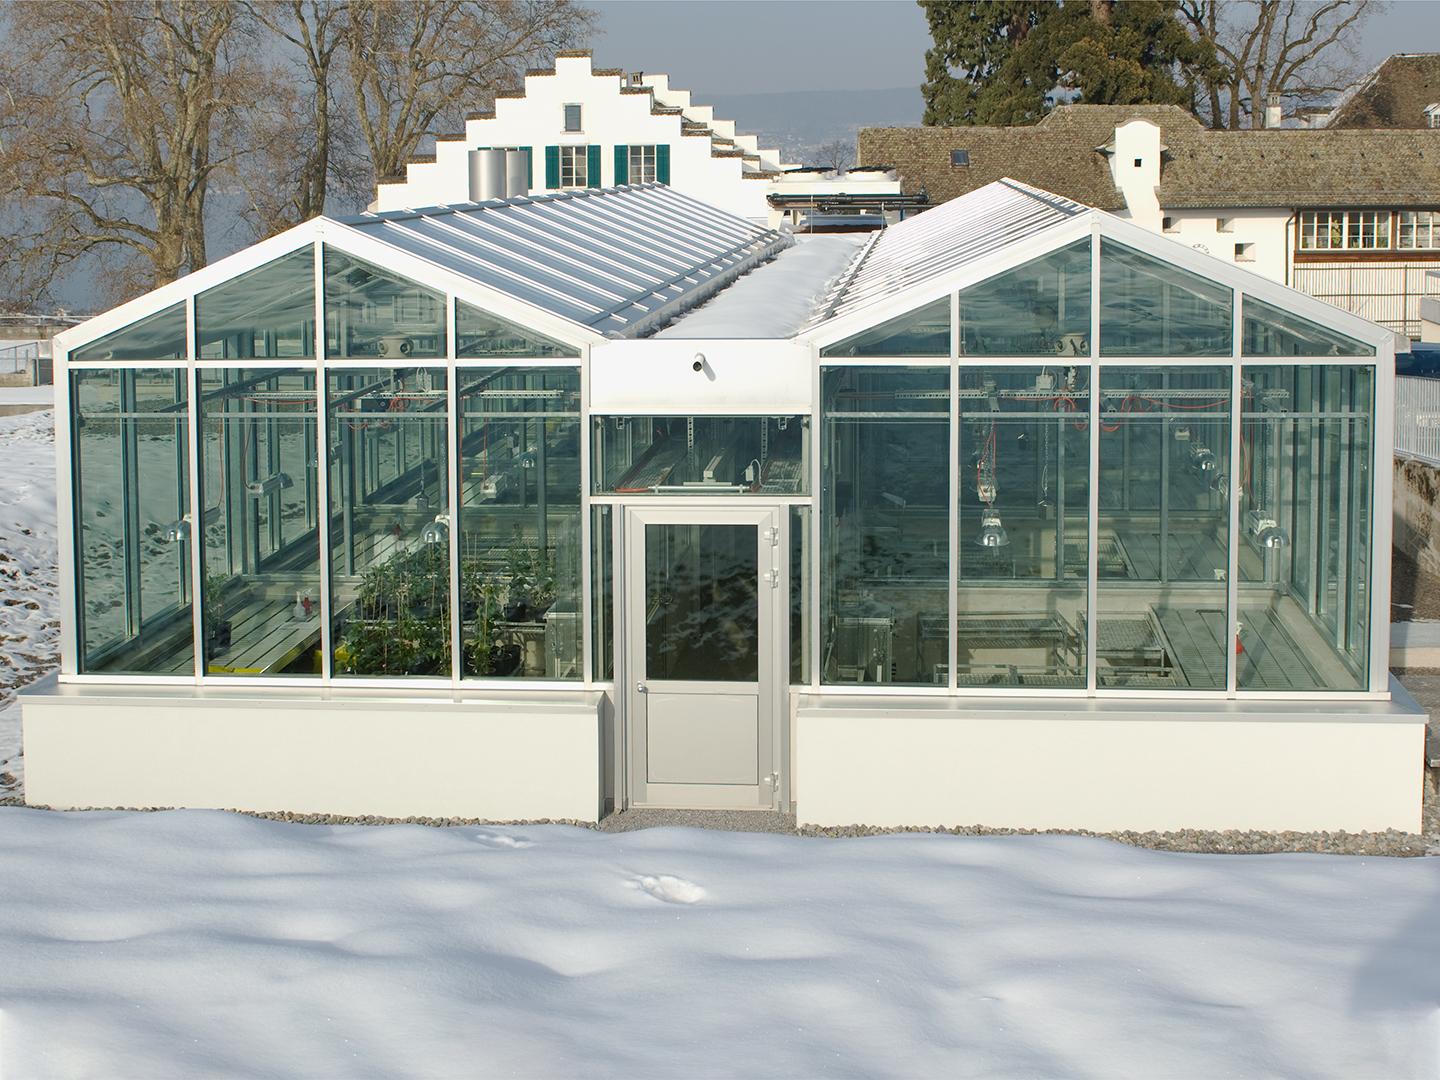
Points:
(775, 299)
(617, 260)
(955, 234)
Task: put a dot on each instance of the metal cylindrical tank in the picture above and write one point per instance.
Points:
(487, 175)
(517, 173)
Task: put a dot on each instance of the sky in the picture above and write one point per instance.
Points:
(764, 46)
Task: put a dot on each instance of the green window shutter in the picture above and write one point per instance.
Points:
(552, 167)
(592, 165)
(530, 161)
(622, 165)
(662, 163)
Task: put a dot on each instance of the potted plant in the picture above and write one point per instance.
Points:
(215, 618)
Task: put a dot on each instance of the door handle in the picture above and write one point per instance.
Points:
(640, 688)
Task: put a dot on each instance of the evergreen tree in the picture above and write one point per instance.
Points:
(1006, 63)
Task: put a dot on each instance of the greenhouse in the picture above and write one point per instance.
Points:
(1028, 518)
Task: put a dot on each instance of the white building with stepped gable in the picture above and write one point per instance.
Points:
(578, 126)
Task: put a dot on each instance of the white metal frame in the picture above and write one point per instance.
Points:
(1101, 226)
(1094, 224)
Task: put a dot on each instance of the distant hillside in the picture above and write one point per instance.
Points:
(798, 120)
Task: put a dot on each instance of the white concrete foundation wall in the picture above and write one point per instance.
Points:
(1094, 766)
(390, 756)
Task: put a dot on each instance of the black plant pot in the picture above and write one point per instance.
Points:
(217, 640)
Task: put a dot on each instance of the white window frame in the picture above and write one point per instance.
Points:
(574, 166)
(1418, 230)
(1345, 230)
(642, 163)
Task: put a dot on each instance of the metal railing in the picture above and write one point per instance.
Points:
(1417, 418)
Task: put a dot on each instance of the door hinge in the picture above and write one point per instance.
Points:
(773, 535)
(773, 577)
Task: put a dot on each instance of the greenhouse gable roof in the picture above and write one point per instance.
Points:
(956, 234)
(620, 261)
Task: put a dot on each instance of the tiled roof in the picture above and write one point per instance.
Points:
(1394, 95)
(1283, 167)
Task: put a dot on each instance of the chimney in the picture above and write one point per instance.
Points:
(517, 173)
(1273, 111)
(487, 175)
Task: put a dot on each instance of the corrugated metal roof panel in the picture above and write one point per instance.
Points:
(947, 238)
(617, 260)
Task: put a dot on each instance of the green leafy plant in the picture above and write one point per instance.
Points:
(400, 624)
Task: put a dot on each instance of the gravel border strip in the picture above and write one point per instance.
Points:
(1388, 844)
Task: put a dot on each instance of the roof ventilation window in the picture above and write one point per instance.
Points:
(923, 332)
(1269, 331)
(373, 313)
(1041, 308)
(960, 159)
(1149, 307)
(156, 337)
(480, 334)
(268, 312)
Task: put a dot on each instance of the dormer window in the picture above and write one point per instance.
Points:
(572, 118)
(1432, 114)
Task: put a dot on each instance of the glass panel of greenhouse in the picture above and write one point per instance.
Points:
(1024, 508)
(924, 332)
(260, 500)
(1039, 309)
(1150, 308)
(800, 518)
(1268, 331)
(602, 590)
(156, 337)
(389, 521)
(702, 455)
(131, 469)
(375, 314)
(1305, 552)
(884, 525)
(520, 549)
(484, 336)
(267, 313)
(1163, 531)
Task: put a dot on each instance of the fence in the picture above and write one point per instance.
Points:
(18, 358)
(1417, 418)
(1387, 294)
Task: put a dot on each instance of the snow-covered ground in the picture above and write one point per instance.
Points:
(27, 395)
(199, 943)
(29, 614)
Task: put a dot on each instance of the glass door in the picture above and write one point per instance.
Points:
(701, 644)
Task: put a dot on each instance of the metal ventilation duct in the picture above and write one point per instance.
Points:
(487, 175)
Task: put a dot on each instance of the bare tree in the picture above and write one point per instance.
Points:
(1296, 51)
(837, 154)
(110, 134)
(299, 156)
(415, 65)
